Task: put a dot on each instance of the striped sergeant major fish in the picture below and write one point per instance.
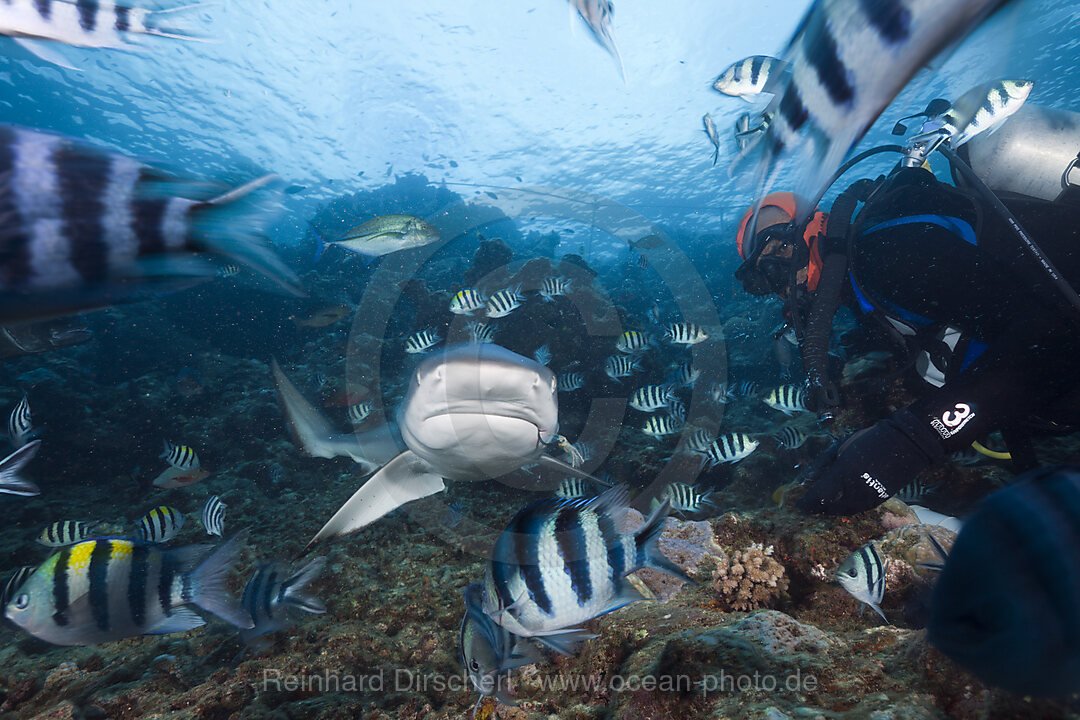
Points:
(111, 588)
(685, 334)
(213, 516)
(658, 426)
(270, 594)
(82, 24)
(562, 562)
(750, 77)
(574, 487)
(505, 302)
(488, 651)
(651, 398)
(553, 287)
(358, 412)
(20, 426)
(730, 448)
(788, 399)
(65, 532)
(721, 393)
(633, 342)
(790, 438)
(620, 366)
(915, 491)
(699, 440)
(599, 15)
(848, 60)
(685, 498)
(14, 582)
(862, 574)
(467, 301)
(85, 229)
(982, 108)
(480, 333)
(422, 341)
(10, 482)
(686, 375)
(160, 524)
(571, 381)
(714, 137)
(180, 456)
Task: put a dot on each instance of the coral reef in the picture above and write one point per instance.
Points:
(749, 579)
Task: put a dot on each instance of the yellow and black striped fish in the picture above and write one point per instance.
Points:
(788, 399)
(65, 532)
(180, 456)
(160, 524)
(111, 588)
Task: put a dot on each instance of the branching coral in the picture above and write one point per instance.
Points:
(749, 579)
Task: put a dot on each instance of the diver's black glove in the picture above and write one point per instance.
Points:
(870, 466)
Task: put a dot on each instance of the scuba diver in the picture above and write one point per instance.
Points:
(987, 313)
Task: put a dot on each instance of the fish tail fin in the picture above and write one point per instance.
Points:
(10, 482)
(646, 541)
(153, 27)
(321, 248)
(565, 642)
(207, 583)
(165, 452)
(230, 225)
(293, 588)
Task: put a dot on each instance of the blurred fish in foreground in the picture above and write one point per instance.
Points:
(848, 60)
(598, 15)
(1007, 604)
(83, 24)
(84, 229)
(269, 596)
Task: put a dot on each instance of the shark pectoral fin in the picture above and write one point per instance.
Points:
(403, 479)
(552, 464)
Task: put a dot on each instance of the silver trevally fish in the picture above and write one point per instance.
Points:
(383, 235)
(847, 62)
(83, 228)
(81, 23)
(598, 15)
(472, 412)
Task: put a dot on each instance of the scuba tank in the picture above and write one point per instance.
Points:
(1034, 153)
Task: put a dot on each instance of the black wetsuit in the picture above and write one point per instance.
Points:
(931, 262)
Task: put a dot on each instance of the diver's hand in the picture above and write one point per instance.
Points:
(870, 466)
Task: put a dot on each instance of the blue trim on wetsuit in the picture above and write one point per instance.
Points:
(961, 228)
(867, 305)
